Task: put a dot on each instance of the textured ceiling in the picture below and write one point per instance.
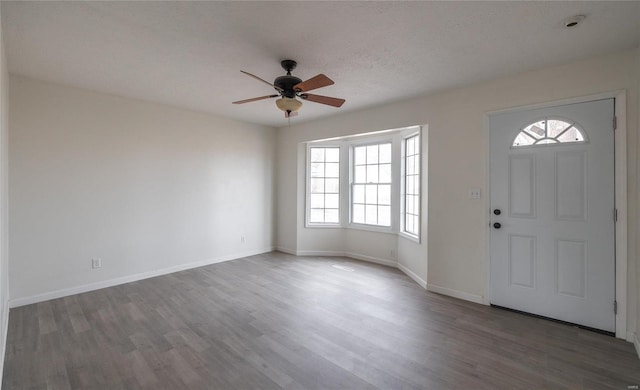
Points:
(189, 54)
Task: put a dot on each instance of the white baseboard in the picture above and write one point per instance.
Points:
(413, 275)
(128, 279)
(371, 259)
(455, 293)
(636, 343)
(286, 250)
(3, 336)
(320, 253)
(357, 256)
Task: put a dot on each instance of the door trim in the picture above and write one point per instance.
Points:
(620, 161)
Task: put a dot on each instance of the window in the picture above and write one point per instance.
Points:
(371, 189)
(548, 131)
(411, 186)
(324, 185)
(366, 182)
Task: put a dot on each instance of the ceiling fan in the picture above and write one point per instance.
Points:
(291, 87)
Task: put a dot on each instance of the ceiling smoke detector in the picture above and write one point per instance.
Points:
(573, 21)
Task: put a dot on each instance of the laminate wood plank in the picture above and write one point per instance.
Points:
(277, 321)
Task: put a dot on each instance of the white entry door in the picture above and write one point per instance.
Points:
(552, 212)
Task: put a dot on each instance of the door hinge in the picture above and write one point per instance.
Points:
(615, 123)
(615, 307)
(615, 215)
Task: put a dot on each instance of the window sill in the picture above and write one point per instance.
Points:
(323, 226)
(374, 229)
(410, 237)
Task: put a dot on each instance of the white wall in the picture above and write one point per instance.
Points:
(4, 214)
(144, 187)
(457, 160)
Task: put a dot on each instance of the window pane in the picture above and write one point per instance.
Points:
(358, 193)
(316, 215)
(555, 127)
(317, 154)
(331, 216)
(385, 153)
(317, 201)
(384, 194)
(358, 213)
(416, 185)
(410, 165)
(409, 147)
(317, 186)
(360, 153)
(372, 173)
(408, 223)
(332, 170)
(536, 130)
(332, 186)
(332, 155)
(385, 173)
(331, 201)
(371, 194)
(410, 185)
(361, 174)
(523, 139)
(317, 169)
(416, 169)
(372, 154)
(384, 215)
(416, 204)
(571, 135)
(371, 214)
(408, 204)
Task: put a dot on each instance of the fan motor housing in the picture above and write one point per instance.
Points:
(287, 83)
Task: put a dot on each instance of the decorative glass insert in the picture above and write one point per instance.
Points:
(371, 196)
(411, 190)
(324, 186)
(549, 131)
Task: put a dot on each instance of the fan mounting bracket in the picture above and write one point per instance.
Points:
(288, 65)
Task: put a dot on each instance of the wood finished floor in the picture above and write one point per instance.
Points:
(278, 321)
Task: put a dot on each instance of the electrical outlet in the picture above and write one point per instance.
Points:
(475, 193)
(96, 262)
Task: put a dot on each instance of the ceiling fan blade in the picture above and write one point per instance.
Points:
(330, 101)
(255, 99)
(259, 79)
(315, 82)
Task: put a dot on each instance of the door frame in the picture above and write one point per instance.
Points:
(620, 177)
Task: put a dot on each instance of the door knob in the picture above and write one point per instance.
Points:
(497, 225)
(497, 212)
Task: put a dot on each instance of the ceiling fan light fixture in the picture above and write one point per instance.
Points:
(288, 104)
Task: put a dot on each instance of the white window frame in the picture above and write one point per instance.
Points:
(308, 187)
(368, 142)
(347, 145)
(403, 232)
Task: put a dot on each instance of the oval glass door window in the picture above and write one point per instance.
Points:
(549, 131)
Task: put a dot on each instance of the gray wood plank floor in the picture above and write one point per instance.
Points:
(279, 321)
